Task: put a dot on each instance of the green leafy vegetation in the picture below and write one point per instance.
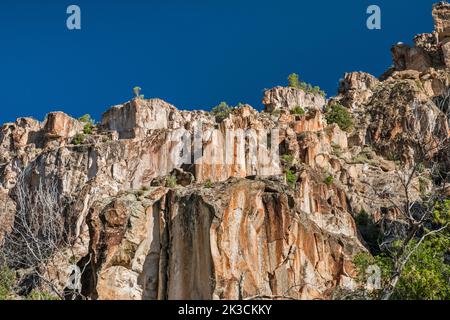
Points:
(294, 82)
(291, 177)
(364, 260)
(171, 182)
(423, 186)
(425, 275)
(221, 111)
(337, 150)
(392, 156)
(298, 111)
(41, 295)
(88, 128)
(341, 116)
(366, 156)
(441, 212)
(276, 112)
(137, 93)
(287, 159)
(7, 281)
(208, 184)
(85, 118)
(79, 139)
(89, 123)
(329, 180)
(8, 284)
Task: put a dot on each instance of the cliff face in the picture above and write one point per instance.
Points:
(169, 204)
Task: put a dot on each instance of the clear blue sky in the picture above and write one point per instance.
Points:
(191, 53)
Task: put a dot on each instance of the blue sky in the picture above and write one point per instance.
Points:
(191, 53)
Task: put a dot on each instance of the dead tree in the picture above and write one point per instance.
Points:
(40, 234)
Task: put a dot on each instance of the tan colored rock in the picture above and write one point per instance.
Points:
(61, 126)
(407, 58)
(441, 17)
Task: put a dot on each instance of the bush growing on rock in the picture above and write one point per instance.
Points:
(341, 116)
(171, 182)
(208, 184)
(41, 295)
(329, 180)
(221, 111)
(85, 118)
(298, 111)
(78, 139)
(294, 80)
(287, 159)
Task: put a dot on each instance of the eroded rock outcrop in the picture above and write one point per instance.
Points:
(235, 240)
(289, 98)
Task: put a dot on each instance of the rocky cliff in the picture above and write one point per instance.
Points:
(167, 204)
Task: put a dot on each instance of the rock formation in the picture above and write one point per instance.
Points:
(170, 204)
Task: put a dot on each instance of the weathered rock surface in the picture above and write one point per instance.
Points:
(235, 240)
(289, 98)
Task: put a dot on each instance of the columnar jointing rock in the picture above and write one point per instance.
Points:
(289, 98)
(252, 240)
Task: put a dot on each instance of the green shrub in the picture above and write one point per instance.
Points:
(208, 184)
(341, 116)
(41, 295)
(85, 119)
(337, 150)
(299, 111)
(420, 167)
(329, 180)
(423, 186)
(88, 123)
(287, 158)
(392, 156)
(171, 182)
(291, 177)
(7, 282)
(426, 275)
(88, 128)
(294, 82)
(79, 139)
(369, 230)
(221, 111)
(137, 92)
